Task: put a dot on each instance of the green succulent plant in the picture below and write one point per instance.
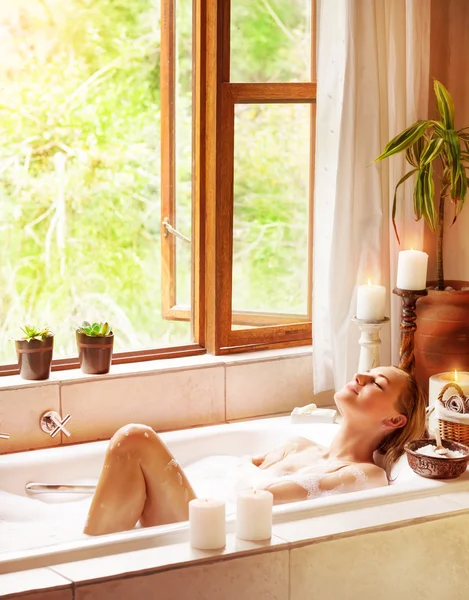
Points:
(34, 333)
(95, 329)
(423, 143)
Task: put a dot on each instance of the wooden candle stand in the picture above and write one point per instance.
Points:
(369, 343)
(408, 326)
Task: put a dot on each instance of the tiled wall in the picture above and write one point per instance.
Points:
(164, 394)
(426, 561)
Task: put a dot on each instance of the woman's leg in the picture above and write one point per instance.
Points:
(140, 480)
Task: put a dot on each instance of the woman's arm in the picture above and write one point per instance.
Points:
(264, 461)
(307, 486)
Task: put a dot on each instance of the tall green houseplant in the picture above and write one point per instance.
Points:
(425, 142)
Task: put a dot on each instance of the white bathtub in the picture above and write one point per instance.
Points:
(28, 540)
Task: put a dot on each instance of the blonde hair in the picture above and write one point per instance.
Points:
(411, 403)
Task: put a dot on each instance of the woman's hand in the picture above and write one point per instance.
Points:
(264, 461)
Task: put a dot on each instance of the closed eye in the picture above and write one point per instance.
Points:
(377, 384)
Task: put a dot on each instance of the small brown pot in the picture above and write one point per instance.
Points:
(441, 342)
(95, 353)
(35, 357)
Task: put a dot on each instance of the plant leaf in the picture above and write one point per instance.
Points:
(458, 208)
(418, 195)
(406, 176)
(429, 212)
(445, 104)
(431, 151)
(410, 156)
(438, 127)
(405, 139)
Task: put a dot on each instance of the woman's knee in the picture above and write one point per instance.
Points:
(132, 434)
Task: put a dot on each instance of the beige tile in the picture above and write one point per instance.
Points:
(263, 388)
(262, 576)
(42, 595)
(460, 498)
(147, 367)
(164, 401)
(268, 355)
(344, 522)
(37, 584)
(425, 561)
(172, 554)
(20, 410)
(15, 382)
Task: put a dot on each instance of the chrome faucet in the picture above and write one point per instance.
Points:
(51, 422)
(4, 436)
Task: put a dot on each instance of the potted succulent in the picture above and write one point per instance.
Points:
(95, 343)
(34, 351)
(442, 336)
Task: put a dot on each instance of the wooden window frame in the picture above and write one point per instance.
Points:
(171, 310)
(220, 96)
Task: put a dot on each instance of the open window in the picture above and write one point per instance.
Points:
(260, 158)
(177, 137)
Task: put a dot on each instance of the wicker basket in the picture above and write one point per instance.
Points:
(456, 432)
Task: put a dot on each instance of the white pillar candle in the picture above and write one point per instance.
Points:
(207, 523)
(254, 515)
(437, 382)
(370, 302)
(412, 270)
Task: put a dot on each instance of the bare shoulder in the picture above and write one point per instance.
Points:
(373, 473)
(301, 442)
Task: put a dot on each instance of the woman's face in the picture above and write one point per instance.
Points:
(372, 396)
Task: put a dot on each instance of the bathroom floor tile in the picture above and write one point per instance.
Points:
(157, 558)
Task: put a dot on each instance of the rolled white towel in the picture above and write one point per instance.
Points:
(308, 414)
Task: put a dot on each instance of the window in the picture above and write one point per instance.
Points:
(259, 157)
(143, 184)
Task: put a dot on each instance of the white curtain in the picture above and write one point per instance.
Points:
(373, 81)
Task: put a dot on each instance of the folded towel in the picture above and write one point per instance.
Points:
(313, 415)
(456, 404)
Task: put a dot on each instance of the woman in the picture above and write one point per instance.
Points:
(382, 410)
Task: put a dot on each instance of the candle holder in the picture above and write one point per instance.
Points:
(369, 343)
(408, 327)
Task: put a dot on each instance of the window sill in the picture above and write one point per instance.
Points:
(158, 366)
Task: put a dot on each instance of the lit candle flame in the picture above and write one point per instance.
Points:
(455, 375)
(369, 282)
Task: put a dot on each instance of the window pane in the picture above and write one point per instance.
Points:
(80, 174)
(270, 40)
(271, 200)
(183, 149)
